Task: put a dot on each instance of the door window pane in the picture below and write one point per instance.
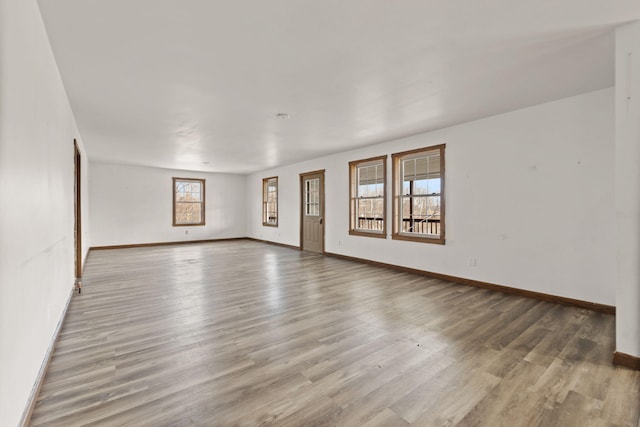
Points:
(270, 201)
(312, 197)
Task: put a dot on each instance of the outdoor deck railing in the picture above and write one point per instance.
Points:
(421, 226)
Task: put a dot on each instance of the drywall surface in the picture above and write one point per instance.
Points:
(133, 205)
(627, 188)
(529, 200)
(37, 129)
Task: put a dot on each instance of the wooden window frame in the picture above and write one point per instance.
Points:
(265, 219)
(353, 197)
(202, 202)
(396, 158)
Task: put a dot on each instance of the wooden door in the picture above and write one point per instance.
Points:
(77, 230)
(312, 211)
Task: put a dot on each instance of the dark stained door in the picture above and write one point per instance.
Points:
(77, 215)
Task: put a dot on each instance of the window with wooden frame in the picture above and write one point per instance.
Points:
(188, 201)
(270, 201)
(367, 197)
(418, 195)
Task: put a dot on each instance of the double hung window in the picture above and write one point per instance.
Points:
(188, 201)
(367, 207)
(418, 201)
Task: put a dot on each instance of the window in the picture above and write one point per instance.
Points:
(312, 197)
(270, 201)
(367, 199)
(188, 201)
(418, 195)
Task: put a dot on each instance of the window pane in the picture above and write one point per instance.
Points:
(368, 175)
(408, 169)
(313, 209)
(433, 207)
(364, 208)
(271, 214)
(188, 213)
(420, 186)
(371, 190)
(195, 213)
(419, 211)
(380, 172)
(421, 168)
(434, 186)
(369, 178)
(406, 209)
(421, 215)
(312, 197)
(362, 191)
(370, 208)
(369, 214)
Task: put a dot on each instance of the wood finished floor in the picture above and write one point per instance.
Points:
(244, 333)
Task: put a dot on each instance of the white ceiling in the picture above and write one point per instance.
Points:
(197, 84)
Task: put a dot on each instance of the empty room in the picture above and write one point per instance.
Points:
(310, 213)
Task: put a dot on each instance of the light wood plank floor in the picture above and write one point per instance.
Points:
(244, 333)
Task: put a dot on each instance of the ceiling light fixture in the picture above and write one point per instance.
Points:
(283, 116)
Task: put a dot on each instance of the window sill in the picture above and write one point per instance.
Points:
(377, 234)
(266, 224)
(420, 239)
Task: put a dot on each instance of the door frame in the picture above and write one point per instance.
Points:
(77, 241)
(322, 210)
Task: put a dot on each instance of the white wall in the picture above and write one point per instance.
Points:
(529, 194)
(627, 188)
(37, 129)
(133, 205)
